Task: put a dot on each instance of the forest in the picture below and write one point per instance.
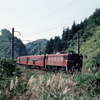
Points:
(69, 35)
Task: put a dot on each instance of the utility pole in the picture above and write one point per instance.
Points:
(12, 49)
(78, 43)
(12, 54)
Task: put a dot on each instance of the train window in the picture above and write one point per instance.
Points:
(30, 59)
(66, 57)
(33, 61)
(39, 59)
(70, 57)
(76, 58)
(55, 58)
(49, 58)
(45, 57)
(58, 58)
(61, 58)
(23, 59)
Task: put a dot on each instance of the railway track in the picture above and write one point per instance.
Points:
(37, 70)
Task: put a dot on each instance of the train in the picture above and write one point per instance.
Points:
(61, 61)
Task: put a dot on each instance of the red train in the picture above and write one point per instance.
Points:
(66, 62)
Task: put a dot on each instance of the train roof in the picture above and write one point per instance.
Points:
(56, 54)
(62, 54)
(31, 55)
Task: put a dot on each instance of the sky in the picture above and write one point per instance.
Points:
(43, 19)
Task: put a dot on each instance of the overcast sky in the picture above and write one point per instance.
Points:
(39, 19)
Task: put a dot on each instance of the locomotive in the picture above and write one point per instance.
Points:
(62, 61)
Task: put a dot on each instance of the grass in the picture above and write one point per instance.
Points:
(91, 47)
(51, 86)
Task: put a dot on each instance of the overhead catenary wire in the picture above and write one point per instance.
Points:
(52, 28)
(59, 25)
(5, 41)
(52, 13)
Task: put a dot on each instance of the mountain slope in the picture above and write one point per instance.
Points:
(5, 45)
(33, 47)
(89, 36)
(91, 48)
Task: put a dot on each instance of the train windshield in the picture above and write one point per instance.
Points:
(71, 57)
(77, 57)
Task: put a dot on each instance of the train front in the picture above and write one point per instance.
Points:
(74, 62)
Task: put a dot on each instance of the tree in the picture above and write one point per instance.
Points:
(65, 34)
(74, 28)
(96, 13)
(81, 25)
(57, 44)
(49, 46)
(6, 33)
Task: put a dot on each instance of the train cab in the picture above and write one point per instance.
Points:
(66, 61)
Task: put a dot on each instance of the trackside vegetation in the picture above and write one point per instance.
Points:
(19, 83)
(24, 84)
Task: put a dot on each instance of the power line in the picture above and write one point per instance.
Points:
(52, 13)
(5, 41)
(48, 29)
(28, 40)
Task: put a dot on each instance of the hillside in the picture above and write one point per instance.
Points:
(33, 47)
(91, 49)
(19, 48)
(5, 45)
(89, 37)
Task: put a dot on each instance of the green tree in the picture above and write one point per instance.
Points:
(49, 46)
(57, 44)
(81, 25)
(65, 34)
(6, 33)
(74, 28)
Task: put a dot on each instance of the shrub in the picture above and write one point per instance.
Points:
(7, 67)
(91, 83)
(95, 61)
